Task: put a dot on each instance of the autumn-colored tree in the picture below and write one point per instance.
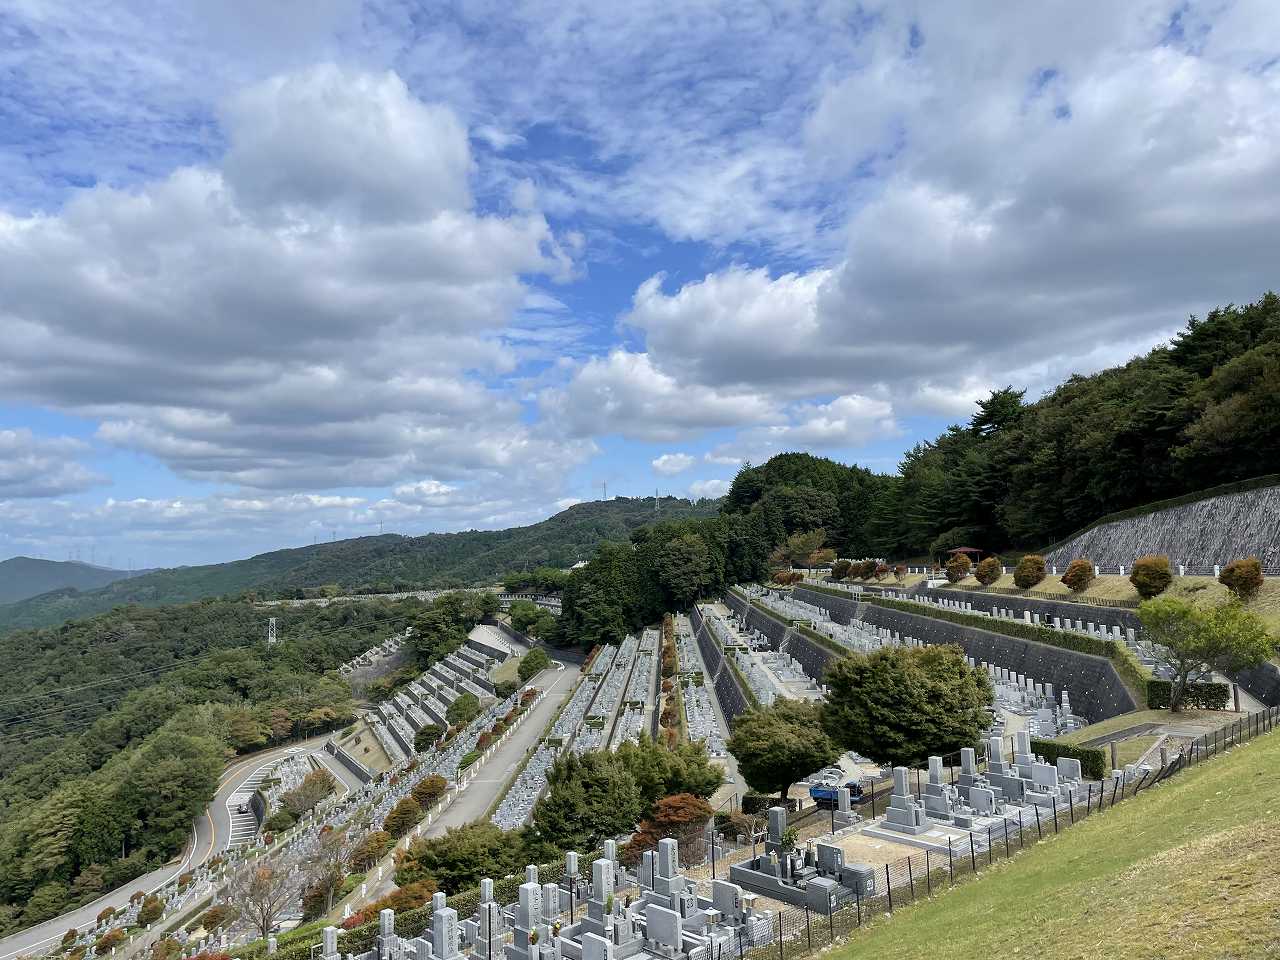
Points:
(682, 817)
(1029, 571)
(989, 571)
(1242, 577)
(404, 816)
(1079, 575)
(429, 789)
(958, 567)
(371, 849)
(1151, 575)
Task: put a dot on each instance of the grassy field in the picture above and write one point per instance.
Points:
(1189, 869)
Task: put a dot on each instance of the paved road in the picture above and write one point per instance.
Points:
(493, 775)
(210, 834)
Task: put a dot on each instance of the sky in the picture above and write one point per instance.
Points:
(273, 273)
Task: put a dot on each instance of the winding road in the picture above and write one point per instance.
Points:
(210, 835)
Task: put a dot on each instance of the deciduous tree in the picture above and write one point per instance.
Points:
(776, 746)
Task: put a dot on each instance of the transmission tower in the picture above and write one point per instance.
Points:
(271, 631)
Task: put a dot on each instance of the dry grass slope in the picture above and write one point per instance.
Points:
(1190, 869)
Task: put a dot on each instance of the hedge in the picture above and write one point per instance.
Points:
(1093, 760)
(1079, 642)
(1131, 671)
(1202, 696)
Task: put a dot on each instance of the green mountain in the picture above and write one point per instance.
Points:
(22, 577)
(371, 564)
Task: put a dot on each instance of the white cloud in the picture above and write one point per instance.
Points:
(669, 464)
(709, 488)
(321, 311)
(624, 393)
(32, 466)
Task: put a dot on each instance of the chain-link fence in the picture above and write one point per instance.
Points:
(799, 931)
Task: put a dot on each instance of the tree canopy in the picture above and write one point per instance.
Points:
(776, 746)
(900, 705)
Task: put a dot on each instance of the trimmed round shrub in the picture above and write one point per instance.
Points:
(958, 567)
(989, 571)
(1079, 575)
(882, 570)
(151, 911)
(1029, 571)
(279, 821)
(900, 572)
(841, 569)
(1242, 577)
(1151, 575)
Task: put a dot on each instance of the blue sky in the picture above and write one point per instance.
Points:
(278, 272)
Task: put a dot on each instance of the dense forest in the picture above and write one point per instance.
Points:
(382, 564)
(1200, 411)
(114, 730)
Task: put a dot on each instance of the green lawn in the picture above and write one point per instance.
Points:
(1189, 869)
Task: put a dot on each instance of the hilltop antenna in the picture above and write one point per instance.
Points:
(655, 501)
(379, 528)
(271, 631)
(605, 488)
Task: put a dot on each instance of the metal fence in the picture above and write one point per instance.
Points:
(800, 931)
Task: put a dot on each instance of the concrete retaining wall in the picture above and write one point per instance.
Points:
(1095, 688)
(361, 772)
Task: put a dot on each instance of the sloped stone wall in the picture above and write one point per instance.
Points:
(1216, 530)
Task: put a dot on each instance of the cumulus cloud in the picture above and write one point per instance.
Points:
(669, 464)
(307, 315)
(625, 393)
(32, 466)
(709, 488)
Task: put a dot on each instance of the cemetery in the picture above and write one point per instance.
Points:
(613, 703)
(653, 912)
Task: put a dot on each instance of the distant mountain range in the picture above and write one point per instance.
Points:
(388, 562)
(23, 577)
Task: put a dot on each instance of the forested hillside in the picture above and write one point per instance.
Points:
(1200, 411)
(22, 577)
(114, 730)
(371, 564)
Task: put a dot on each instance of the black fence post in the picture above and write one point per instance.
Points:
(1114, 784)
(780, 956)
(888, 886)
(739, 939)
(808, 928)
(928, 873)
(973, 857)
(911, 880)
(831, 919)
(1039, 834)
(1021, 840)
(951, 861)
(1071, 805)
(1054, 800)
(1005, 821)
(857, 895)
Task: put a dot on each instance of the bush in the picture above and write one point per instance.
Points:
(426, 737)
(1079, 575)
(468, 759)
(1151, 575)
(757, 802)
(900, 572)
(1242, 577)
(989, 571)
(533, 663)
(106, 914)
(463, 710)
(69, 936)
(958, 567)
(840, 569)
(882, 570)
(1093, 760)
(112, 938)
(404, 816)
(1198, 696)
(371, 849)
(279, 821)
(1029, 571)
(866, 569)
(152, 910)
(429, 789)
